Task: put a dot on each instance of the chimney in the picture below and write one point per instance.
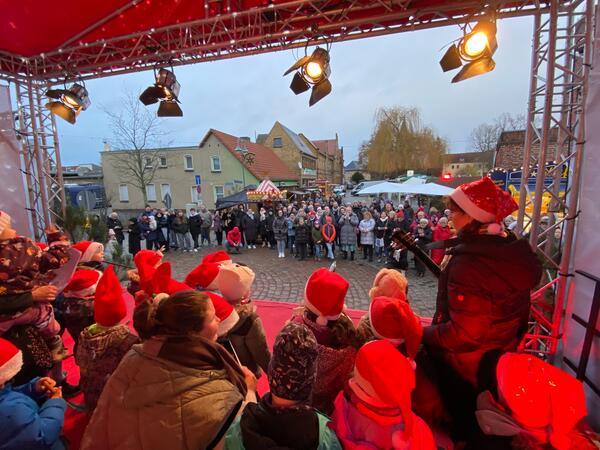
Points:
(107, 147)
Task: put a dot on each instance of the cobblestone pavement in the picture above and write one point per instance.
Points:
(284, 279)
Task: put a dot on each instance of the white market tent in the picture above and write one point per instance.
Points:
(387, 187)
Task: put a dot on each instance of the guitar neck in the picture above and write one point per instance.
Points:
(425, 259)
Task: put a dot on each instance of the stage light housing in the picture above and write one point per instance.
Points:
(166, 90)
(312, 70)
(68, 102)
(475, 49)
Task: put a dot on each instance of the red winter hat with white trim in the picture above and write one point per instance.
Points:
(218, 257)
(226, 313)
(4, 221)
(543, 399)
(109, 305)
(11, 361)
(145, 261)
(392, 319)
(324, 295)
(384, 378)
(164, 283)
(204, 276)
(88, 249)
(83, 284)
(484, 201)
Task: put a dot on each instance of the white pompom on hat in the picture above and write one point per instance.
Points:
(484, 201)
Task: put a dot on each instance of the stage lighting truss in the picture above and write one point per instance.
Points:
(475, 49)
(68, 103)
(166, 90)
(312, 70)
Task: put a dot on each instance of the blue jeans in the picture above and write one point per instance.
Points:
(317, 250)
(229, 246)
(329, 246)
(281, 246)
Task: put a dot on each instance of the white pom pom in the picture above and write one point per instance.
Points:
(494, 228)
(322, 320)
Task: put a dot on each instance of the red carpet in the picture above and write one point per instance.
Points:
(273, 315)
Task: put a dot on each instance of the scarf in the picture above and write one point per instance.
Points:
(199, 353)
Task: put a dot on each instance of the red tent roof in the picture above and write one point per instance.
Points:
(266, 163)
(54, 40)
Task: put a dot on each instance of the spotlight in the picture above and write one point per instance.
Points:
(166, 89)
(312, 71)
(476, 49)
(68, 102)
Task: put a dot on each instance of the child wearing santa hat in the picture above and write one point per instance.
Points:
(527, 403)
(247, 337)
(146, 263)
(32, 414)
(374, 409)
(322, 313)
(283, 418)
(204, 276)
(219, 257)
(387, 283)
(103, 344)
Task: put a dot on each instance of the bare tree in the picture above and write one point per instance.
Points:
(138, 132)
(485, 136)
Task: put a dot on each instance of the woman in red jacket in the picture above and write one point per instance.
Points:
(234, 240)
(441, 232)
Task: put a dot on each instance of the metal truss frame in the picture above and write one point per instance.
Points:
(229, 34)
(40, 160)
(561, 58)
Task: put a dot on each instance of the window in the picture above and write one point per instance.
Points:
(188, 162)
(123, 193)
(165, 188)
(215, 164)
(196, 196)
(218, 191)
(148, 163)
(277, 142)
(163, 161)
(151, 192)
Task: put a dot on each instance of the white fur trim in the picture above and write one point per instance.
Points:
(227, 324)
(321, 319)
(395, 342)
(94, 247)
(11, 367)
(462, 200)
(83, 293)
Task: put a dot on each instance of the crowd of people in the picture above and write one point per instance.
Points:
(185, 374)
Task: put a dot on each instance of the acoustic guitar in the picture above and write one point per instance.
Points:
(406, 239)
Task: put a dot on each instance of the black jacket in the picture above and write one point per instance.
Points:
(250, 227)
(195, 222)
(303, 234)
(483, 300)
(117, 226)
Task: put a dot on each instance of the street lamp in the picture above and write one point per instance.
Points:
(247, 158)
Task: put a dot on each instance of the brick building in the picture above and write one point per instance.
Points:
(511, 145)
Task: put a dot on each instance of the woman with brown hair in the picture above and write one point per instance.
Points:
(177, 390)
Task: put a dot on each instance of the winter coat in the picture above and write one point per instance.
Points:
(249, 340)
(359, 427)
(180, 225)
(381, 226)
(217, 223)
(117, 227)
(334, 366)
(280, 228)
(99, 352)
(348, 229)
(262, 225)
(328, 232)
(483, 300)
(263, 427)
(206, 219)
(366, 227)
(25, 425)
(423, 239)
(316, 235)
(135, 234)
(439, 234)
(269, 222)
(234, 237)
(151, 403)
(303, 234)
(145, 228)
(291, 229)
(250, 226)
(195, 223)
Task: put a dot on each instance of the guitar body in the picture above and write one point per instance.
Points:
(406, 240)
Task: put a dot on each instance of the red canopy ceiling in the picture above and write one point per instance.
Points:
(42, 40)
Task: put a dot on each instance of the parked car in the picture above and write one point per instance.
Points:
(357, 188)
(339, 190)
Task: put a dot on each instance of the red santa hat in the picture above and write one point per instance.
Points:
(88, 249)
(109, 305)
(83, 284)
(324, 295)
(4, 221)
(11, 361)
(542, 398)
(392, 319)
(164, 283)
(146, 261)
(204, 276)
(219, 257)
(484, 201)
(226, 313)
(384, 378)
(235, 282)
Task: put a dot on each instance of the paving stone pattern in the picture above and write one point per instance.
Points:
(284, 279)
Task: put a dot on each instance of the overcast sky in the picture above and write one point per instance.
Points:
(245, 96)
